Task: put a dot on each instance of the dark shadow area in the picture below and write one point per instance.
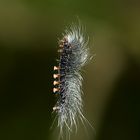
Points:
(26, 98)
(122, 117)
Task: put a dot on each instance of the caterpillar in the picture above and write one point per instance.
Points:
(74, 54)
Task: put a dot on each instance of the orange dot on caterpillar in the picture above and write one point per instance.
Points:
(60, 50)
(61, 42)
(55, 90)
(56, 68)
(56, 108)
(56, 83)
(56, 76)
(61, 46)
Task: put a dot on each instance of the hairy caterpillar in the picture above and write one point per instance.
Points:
(74, 54)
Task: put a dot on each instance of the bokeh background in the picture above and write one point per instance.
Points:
(29, 31)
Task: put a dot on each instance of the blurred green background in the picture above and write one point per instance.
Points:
(29, 31)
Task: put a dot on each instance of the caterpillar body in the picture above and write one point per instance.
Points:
(74, 54)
